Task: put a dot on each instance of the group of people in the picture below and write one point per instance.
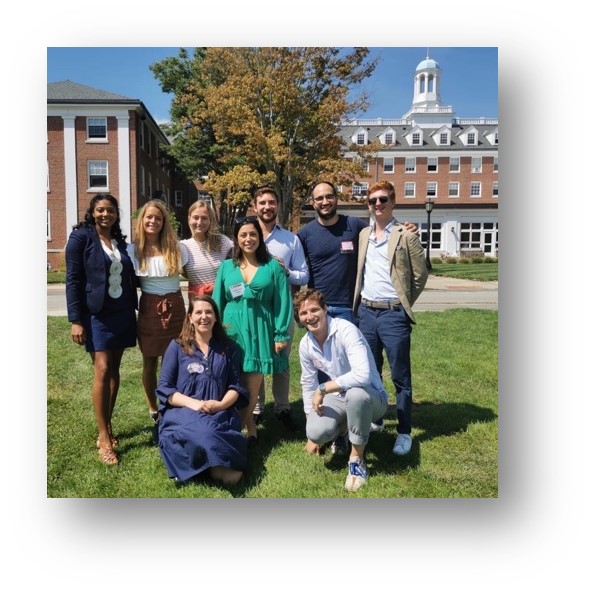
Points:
(351, 285)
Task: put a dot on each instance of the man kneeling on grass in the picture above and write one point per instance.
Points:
(342, 389)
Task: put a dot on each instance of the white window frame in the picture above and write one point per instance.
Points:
(48, 225)
(431, 189)
(444, 139)
(495, 189)
(178, 197)
(416, 139)
(454, 186)
(388, 164)
(410, 185)
(495, 164)
(474, 185)
(47, 175)
(472, 139)
(476, 164)
(392, 135)
(432, 161)
(408, 168)
(453, 159)
(360, 136)
(360, 188)
(96, 139)
(96, 164)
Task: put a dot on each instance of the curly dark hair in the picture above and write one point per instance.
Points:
(261, 253)
(89, 220)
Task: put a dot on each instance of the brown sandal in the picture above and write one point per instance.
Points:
(108, 456)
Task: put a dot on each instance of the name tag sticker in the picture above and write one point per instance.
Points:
(347, 247)
(237, 290)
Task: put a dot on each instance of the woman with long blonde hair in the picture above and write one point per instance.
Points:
(207, 248)
(158, 261)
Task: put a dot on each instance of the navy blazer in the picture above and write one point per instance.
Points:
(86, 273)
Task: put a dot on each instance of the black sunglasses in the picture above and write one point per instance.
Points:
(245, 219)
(382, 199)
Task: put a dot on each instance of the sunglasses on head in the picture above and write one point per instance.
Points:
(382, 199)
(245, 219)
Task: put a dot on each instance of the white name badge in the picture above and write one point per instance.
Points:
(237, 290)
(347, 246)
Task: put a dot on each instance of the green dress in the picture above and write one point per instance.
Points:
(256, 314)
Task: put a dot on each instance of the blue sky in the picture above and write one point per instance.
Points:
(469, 79)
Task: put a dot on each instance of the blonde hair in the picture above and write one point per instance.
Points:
(168, 241)
(213, 235)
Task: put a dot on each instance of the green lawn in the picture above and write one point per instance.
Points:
(467, 271)
(455, 452)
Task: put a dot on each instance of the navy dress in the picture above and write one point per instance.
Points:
(191, 442)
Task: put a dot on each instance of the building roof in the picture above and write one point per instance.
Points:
(68, 91)
(428, 63)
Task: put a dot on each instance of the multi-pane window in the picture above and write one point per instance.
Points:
(431, 189)
(495, 189)
(178, 197)
(495, 163)
(476, 164)
(410, 189)
(360, 189)
(471, 138)
(435, 234)
(360, 138)
(410, 164)
(454, 189)
(388, 165)
(478, 235)
(433, 164)
(476, 189)
(389, 138)
(454, 164)
(443, 138)
(96, 128)
(97, 174)
(496, 138)
(416, 138)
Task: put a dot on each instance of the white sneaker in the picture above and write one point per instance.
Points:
(403, 444)
(357, 475)
(340, 445)
(378, 426)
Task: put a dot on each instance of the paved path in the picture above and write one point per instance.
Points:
(440, 293)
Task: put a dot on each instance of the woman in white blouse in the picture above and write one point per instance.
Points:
(158, 259)
(207, 249)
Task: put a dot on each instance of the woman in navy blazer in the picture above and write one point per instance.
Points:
(101, 299)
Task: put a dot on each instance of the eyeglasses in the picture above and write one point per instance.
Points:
(382, 199)
(245, 219)
(328, 197)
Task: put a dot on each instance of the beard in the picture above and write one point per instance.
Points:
(329, 214)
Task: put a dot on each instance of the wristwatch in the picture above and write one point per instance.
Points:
(322, 388)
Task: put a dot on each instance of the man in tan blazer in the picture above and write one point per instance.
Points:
(391, 274)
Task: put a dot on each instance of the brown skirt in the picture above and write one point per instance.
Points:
(160, 319)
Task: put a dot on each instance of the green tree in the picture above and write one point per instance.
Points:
(242, 117)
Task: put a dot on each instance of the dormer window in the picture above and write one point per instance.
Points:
(416, 138)
(443, 138)
(471, 139)
(389, 138)
(360, 139)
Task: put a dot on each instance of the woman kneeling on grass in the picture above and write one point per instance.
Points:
(199, 393)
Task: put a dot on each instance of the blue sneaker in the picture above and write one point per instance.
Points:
(357, 474)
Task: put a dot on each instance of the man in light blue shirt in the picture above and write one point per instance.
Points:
(342, 388)
(287, 249)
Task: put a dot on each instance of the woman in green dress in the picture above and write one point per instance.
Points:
(253, 295)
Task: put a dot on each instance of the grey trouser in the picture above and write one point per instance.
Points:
(356, 409)
(280, 384)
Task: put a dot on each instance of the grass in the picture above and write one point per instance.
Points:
(467, 271)
(455, 416)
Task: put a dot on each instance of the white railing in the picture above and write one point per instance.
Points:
(375, 122)
(478, 120)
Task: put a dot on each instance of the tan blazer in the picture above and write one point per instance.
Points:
(407, 268)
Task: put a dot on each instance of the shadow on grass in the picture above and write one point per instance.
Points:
(429, 420)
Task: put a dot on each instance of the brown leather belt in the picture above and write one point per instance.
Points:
(393, 304)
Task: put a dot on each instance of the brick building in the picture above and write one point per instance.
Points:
(102, 142)
(429, 154)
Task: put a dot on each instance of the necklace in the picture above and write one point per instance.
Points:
(115, 269)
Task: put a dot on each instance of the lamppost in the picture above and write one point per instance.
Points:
(428, 205)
